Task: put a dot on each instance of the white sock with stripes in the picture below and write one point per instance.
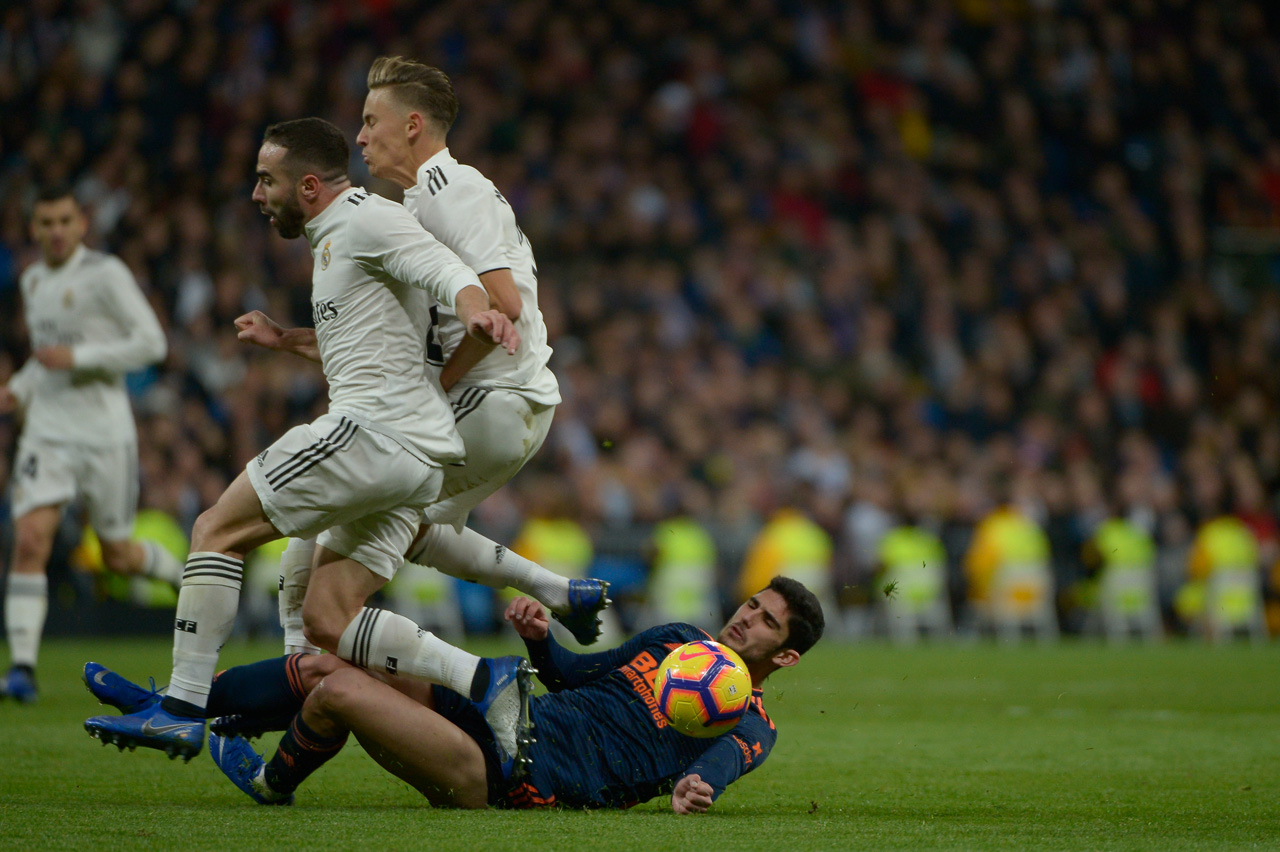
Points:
(207, 605)
(470, 556)
(26, 602)
(295, 576)
(382, 641)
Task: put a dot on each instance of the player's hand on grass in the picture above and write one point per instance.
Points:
(529, 619)
(259, 329)
(692, 795)
(493, 326)
(56, 357)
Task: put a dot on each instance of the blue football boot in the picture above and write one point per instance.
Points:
(587, 599)
(505, 707)
(154, 727)
(119, 692)
(239, 762)
(20, 685)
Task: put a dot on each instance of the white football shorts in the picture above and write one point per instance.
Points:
(48, 473)
(358, 491)
(501, 430)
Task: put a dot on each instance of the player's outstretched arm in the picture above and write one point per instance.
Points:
(261, 330)
(692, 795)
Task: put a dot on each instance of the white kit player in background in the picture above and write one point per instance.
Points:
(89, 325)
(360, 476)
(503, 403)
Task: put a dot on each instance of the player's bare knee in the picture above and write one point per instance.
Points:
(31, 549)
(314, 668)
(336, 691)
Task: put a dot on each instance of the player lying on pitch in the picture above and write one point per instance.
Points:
(601, 739)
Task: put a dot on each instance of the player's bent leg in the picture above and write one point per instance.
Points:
(372, 549)
(125, 556)
(205, 615)
(26, 601)
(470, 556)
(410, 741)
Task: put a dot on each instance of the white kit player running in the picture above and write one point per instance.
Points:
(503, 403)
(89, 325)
(360, 476)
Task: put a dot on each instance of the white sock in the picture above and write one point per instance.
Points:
(207, 605)
(26, 602)
(295, 576)
(470, 556)
(159, 564)
(382, 641)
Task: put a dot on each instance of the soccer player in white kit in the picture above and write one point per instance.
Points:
(89, 325)
(503, 403)
(360, 476)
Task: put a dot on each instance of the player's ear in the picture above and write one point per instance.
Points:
(309, 187)
(414, 125)
(786, 657)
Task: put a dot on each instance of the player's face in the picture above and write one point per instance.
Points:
(384, 135)
(277, 195)
(58, 226)
(759, 627)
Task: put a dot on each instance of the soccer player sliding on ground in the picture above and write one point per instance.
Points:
(601, 740)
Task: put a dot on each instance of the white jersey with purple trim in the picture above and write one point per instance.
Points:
(92, 304)
(466, 212)
(377, 279)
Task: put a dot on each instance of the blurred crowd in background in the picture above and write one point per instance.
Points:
(815, 273)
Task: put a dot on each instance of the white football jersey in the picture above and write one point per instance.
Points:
(377, 279)
(92, 304)
(465, 211)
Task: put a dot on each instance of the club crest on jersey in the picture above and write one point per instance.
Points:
(325, 256)
(67, 300)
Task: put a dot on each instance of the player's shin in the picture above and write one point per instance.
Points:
(470, 556)
(295, 576)
(206, 613)
(302, 751)
(26, 603)
(385, 642)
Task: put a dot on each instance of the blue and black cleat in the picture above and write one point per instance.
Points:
(239, 762)
(20, 685)
(505, 708)
(153, 727)
(587, 599)
(118, 691)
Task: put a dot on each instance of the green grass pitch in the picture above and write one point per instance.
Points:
(970, 747)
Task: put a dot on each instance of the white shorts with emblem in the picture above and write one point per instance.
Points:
(48, 473)
(502, 431)
(358, 490)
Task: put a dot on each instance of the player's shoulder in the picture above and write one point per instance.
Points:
(370, 217)
(447, 179)
(97, 262)
(676, 633)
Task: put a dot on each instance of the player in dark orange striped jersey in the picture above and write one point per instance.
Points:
(598, 744)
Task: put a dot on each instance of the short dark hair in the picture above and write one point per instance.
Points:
(314, 146)
(804, 614)
(56, 192)
(417, 86)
